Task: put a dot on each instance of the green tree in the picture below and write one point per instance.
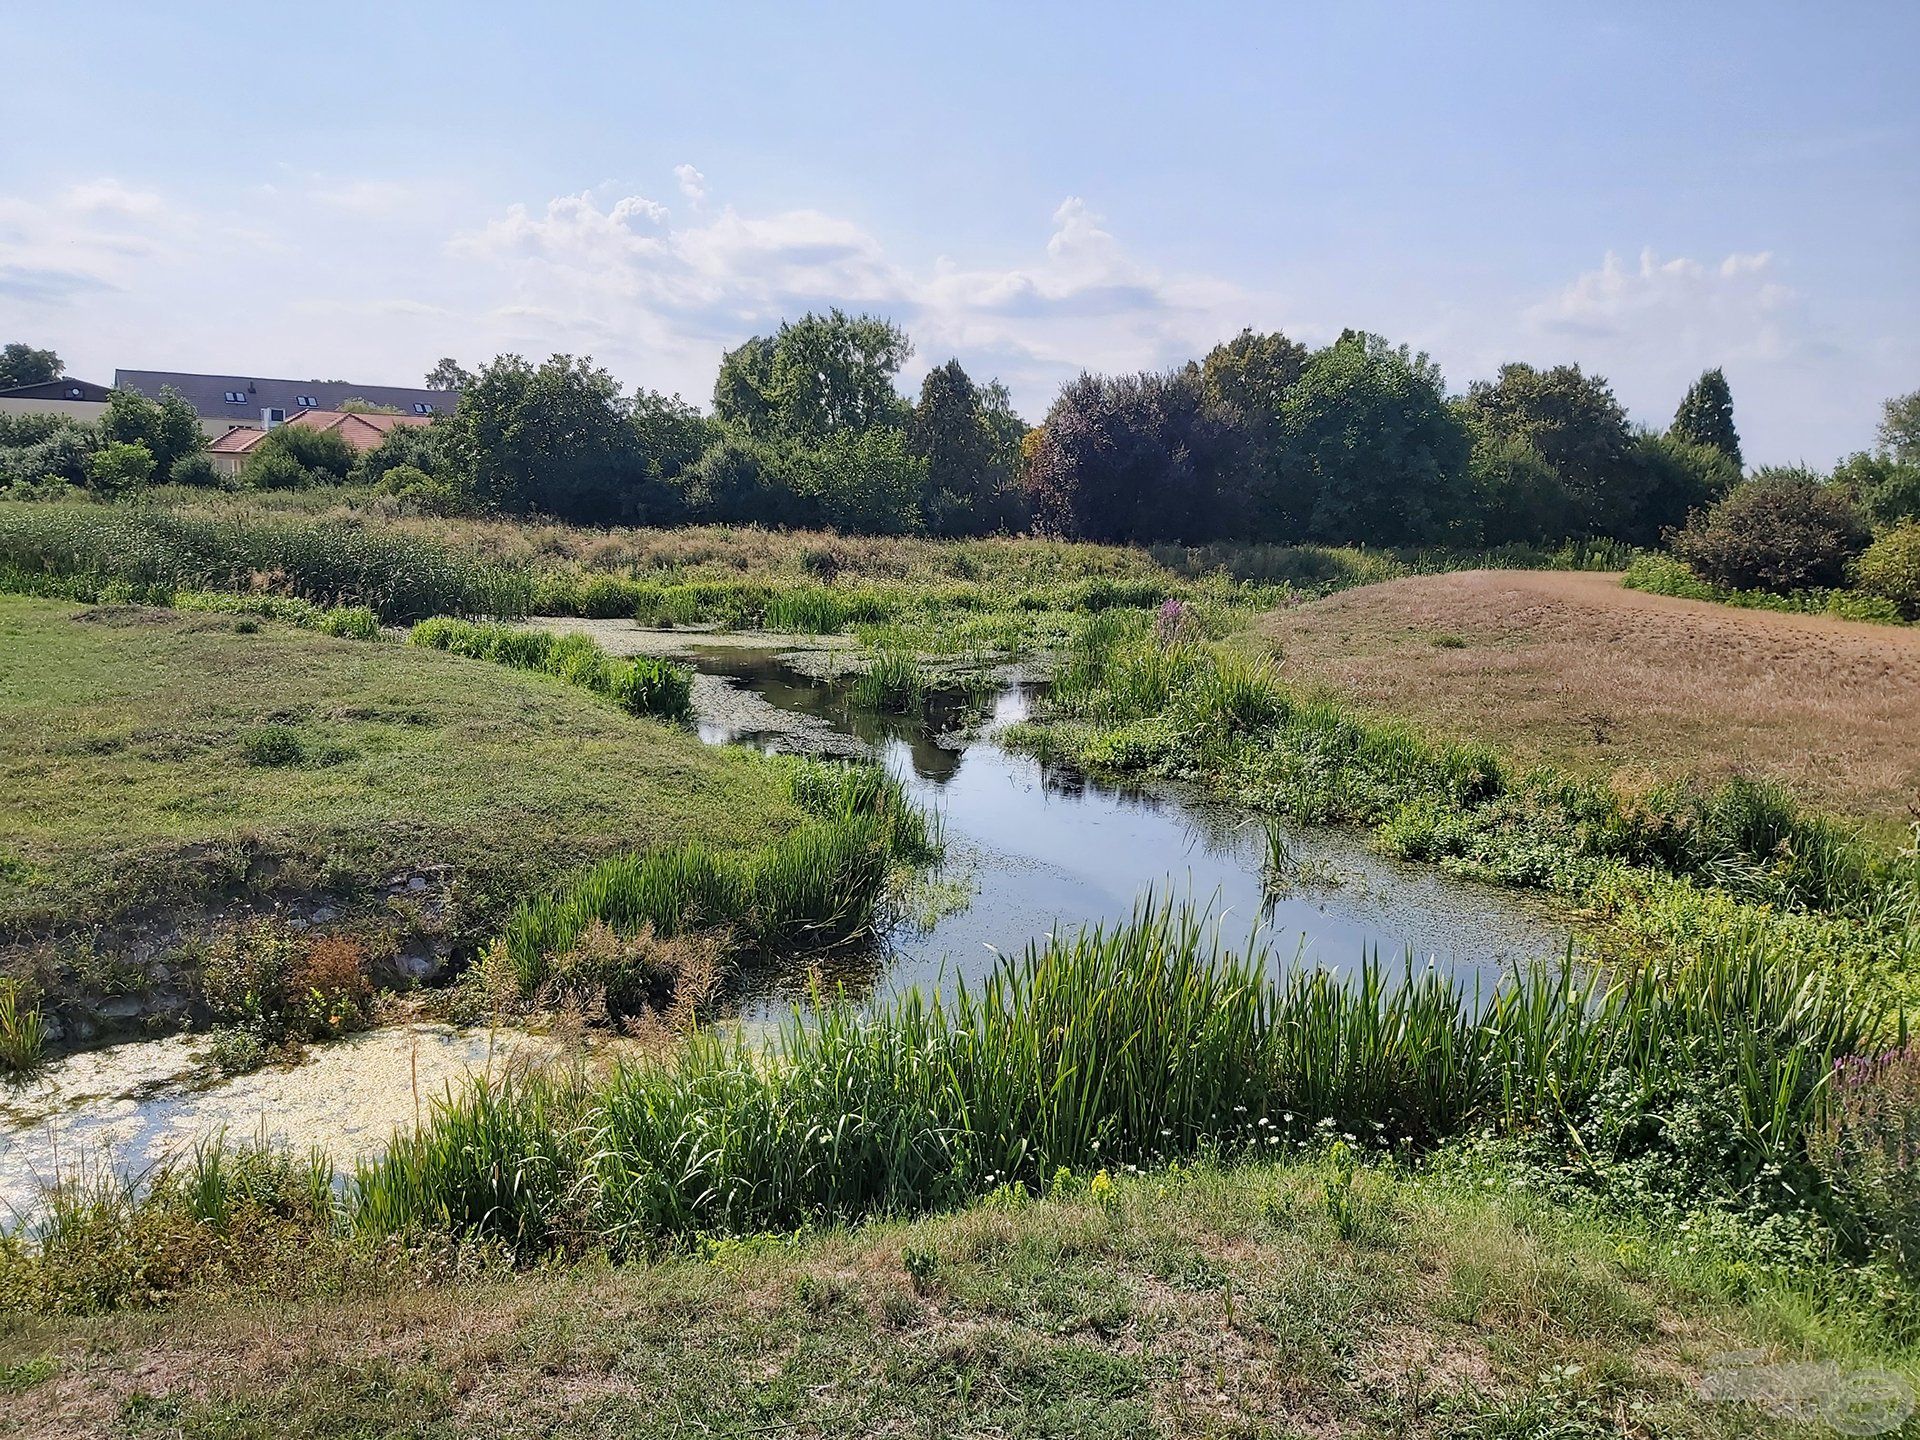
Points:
(1705, 416)
(1899, 431)
(1679, 478)
(1577, 427)
(555, 439)
(1886, 489)
(120, 467)
(294, 457)
(1247, 381)
(448, 374)
(672, 434)
(1378, 449)
(968, 439)
(818, 375)
(21, 364)
(168, 427)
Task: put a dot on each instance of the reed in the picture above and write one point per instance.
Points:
(1128, 1045)
(23, 1033)
(893, 681)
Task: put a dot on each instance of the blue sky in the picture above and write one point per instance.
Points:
(1645, 189)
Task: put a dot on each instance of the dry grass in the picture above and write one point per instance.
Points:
(1571, 669)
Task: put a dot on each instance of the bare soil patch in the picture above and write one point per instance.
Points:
(1572, 669)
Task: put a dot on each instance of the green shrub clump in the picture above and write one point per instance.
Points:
(1780, 531)
(642, 685)
(1889, 569)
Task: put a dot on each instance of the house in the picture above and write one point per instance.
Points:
(227, 402)
(79, 399)
(361, 431)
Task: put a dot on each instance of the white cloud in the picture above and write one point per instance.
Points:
(693, 184)
(1737, 309)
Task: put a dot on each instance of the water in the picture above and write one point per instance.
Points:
(1043, 847)
(1030, 848)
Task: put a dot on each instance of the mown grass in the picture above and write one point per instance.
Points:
(1202, 1301)
(131, 788)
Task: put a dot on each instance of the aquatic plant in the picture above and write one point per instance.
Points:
(892, 681)
(23, 1033)
(643, 685)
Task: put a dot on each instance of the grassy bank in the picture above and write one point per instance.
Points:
(1663, 575)
(1668, 861)
(162, 761)
(1270, 1299)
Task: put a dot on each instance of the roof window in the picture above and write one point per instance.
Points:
(422, 408)
(236, 397)
(306, 401)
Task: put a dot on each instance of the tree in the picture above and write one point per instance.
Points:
(168, 427)
(448, 374)
(1679, 479)
(1899, 431)
(1129, 459)
(1886, 490)
(1705, 416)
(817, 375)
(968, 439)
(1247, 382)
(1577, 427)
(294, 457)
(421, 447)
(21, 364)
(555, 439)
(672, 434)
(1375, 446)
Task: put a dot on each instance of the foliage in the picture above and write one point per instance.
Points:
(1129, 459)
(293, 457)
(1899, 430)
(21, 364)
(1677, 479)
(1890, 569)
(196, 470)
(1572, 422)
(35, 449)
(1705, 416)
(968, 439)
(169, 428)
(117, 468)
(555, 439)
(1782, 531)
(421, 446)
(448, 374)
(1663, 575)
(642, 685)
(275, 983)
(1375, 452)
(816, 377)
(1869, 1146)
(1886, 489)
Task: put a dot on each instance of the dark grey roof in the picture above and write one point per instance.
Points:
(63, 389)
(208, 394)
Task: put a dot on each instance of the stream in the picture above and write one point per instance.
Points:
(1029, 848)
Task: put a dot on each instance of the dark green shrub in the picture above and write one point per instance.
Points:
(196, 470)
(1890, 569)
(1781, 531)
(119, 468)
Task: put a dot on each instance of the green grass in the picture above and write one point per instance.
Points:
(1207, 1301)
(158, 759)
(23, 1035)
(643, 685)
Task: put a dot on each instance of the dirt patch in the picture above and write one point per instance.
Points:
(1575, 670)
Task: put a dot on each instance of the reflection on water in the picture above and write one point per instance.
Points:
(1047, 846)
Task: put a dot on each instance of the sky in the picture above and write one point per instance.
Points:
(1039, 189)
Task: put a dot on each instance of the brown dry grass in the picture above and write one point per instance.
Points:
(1573, 670)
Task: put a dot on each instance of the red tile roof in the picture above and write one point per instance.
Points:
(361, 431)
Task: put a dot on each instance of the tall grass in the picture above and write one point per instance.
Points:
(1123, 1045)
(84, 550)
(643, 685)
(893, 681)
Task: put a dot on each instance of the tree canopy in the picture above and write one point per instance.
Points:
(21, 364)
(1705, 416)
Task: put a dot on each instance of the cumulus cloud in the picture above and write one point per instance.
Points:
(693, 184)
(1737, 307)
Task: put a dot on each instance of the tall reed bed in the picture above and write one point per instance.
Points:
(82, 550)
(1125, 1045)
(643, 685)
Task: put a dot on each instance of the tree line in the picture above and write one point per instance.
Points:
(1263, 438)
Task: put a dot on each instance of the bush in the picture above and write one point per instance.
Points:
(425, 493)
(196, 470)
(293, 457)
(118, 468)
(275, 983)
(1890, 569)
(1781, 531)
